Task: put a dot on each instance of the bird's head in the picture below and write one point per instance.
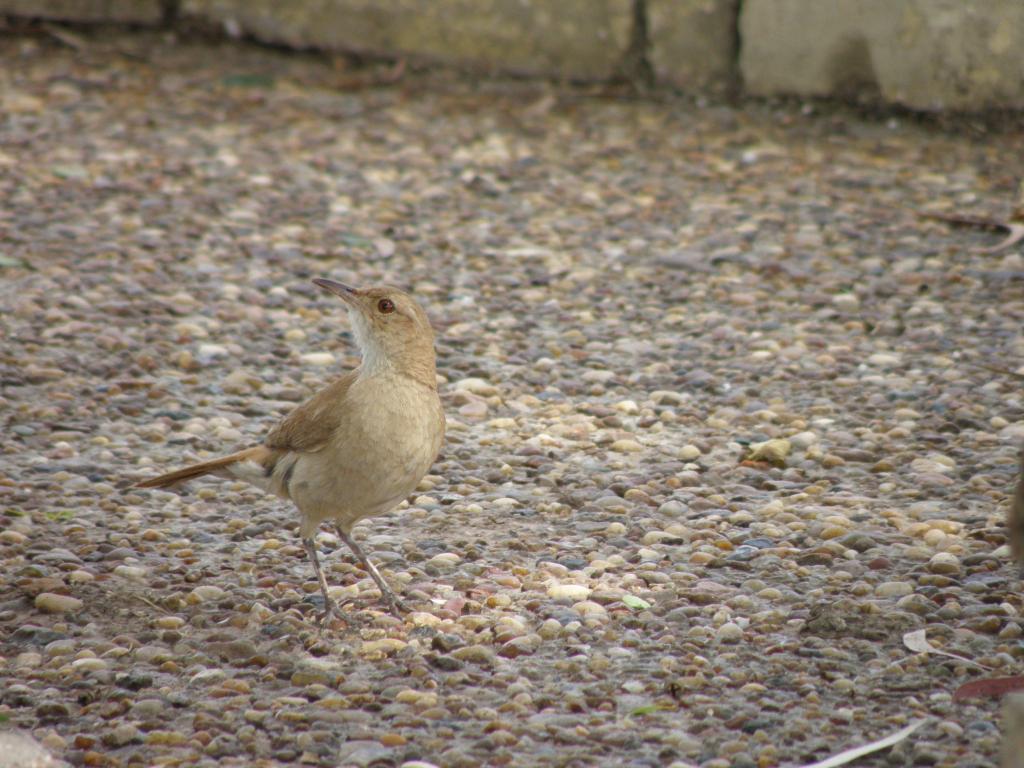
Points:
(390, 327)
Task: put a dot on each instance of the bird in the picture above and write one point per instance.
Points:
(360, 445)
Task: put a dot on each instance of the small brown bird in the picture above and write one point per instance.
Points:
(361, 444)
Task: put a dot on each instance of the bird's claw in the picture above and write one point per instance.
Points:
(397, 607)
(330, 614)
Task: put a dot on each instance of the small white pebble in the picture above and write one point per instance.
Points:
(730, 632)
(688, 453)
(568, 592)
(317, 358)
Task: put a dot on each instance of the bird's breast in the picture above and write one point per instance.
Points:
(380, 453)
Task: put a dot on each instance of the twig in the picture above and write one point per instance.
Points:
(65, 37)
(1015, 231)
(917, 641)
(153, 605)
(997, 369)
(1016, 235)
(849, 755)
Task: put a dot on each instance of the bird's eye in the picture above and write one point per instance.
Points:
(386, 306)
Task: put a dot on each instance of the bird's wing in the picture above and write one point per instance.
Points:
(308, 428)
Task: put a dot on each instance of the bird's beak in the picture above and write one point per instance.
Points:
(347, 293)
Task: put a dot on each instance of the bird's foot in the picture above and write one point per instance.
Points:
(396, 606)
(331, 614)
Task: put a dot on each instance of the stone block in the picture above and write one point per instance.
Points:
(924, 54)
(692, 43)
(90, 11)
(576, 39)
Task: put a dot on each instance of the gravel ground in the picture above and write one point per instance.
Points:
(718, 437)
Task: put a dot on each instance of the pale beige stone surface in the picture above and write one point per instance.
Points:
(692, 43)
(583, 39)
(116, 11)
(926, 54)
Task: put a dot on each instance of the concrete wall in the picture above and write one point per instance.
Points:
(925, 54)
(584, 39)
(113, 11)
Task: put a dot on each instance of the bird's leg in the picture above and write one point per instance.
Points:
(395, 605)
(330, 609)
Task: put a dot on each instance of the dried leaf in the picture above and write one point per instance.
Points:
(455, 605)
(849, 755)
(773, 452)
(647, 709)
(991, 686)
(637, 603)
(69, 171)
(918, 642)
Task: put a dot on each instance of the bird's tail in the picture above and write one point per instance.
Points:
(212, 467)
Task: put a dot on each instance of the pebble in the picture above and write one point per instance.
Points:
(444, 560)
(803, 440)
(474, 409)
(205, 593)
(387, 646)
(422, 699)
(626, 446)
(475, 654)
(894, 589)
(569, 592)
(729, 632)
(672, 508)
(590, 609)
(317, 358)
(144, 709)
(944, 563)
(846, 301)
(54, 603)
(10, 536)
(476, 386)
(211, 351)
(239, 382)
(884, 359)
(88, 665)
(689, 453)
(123, 734)
(132, 572)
